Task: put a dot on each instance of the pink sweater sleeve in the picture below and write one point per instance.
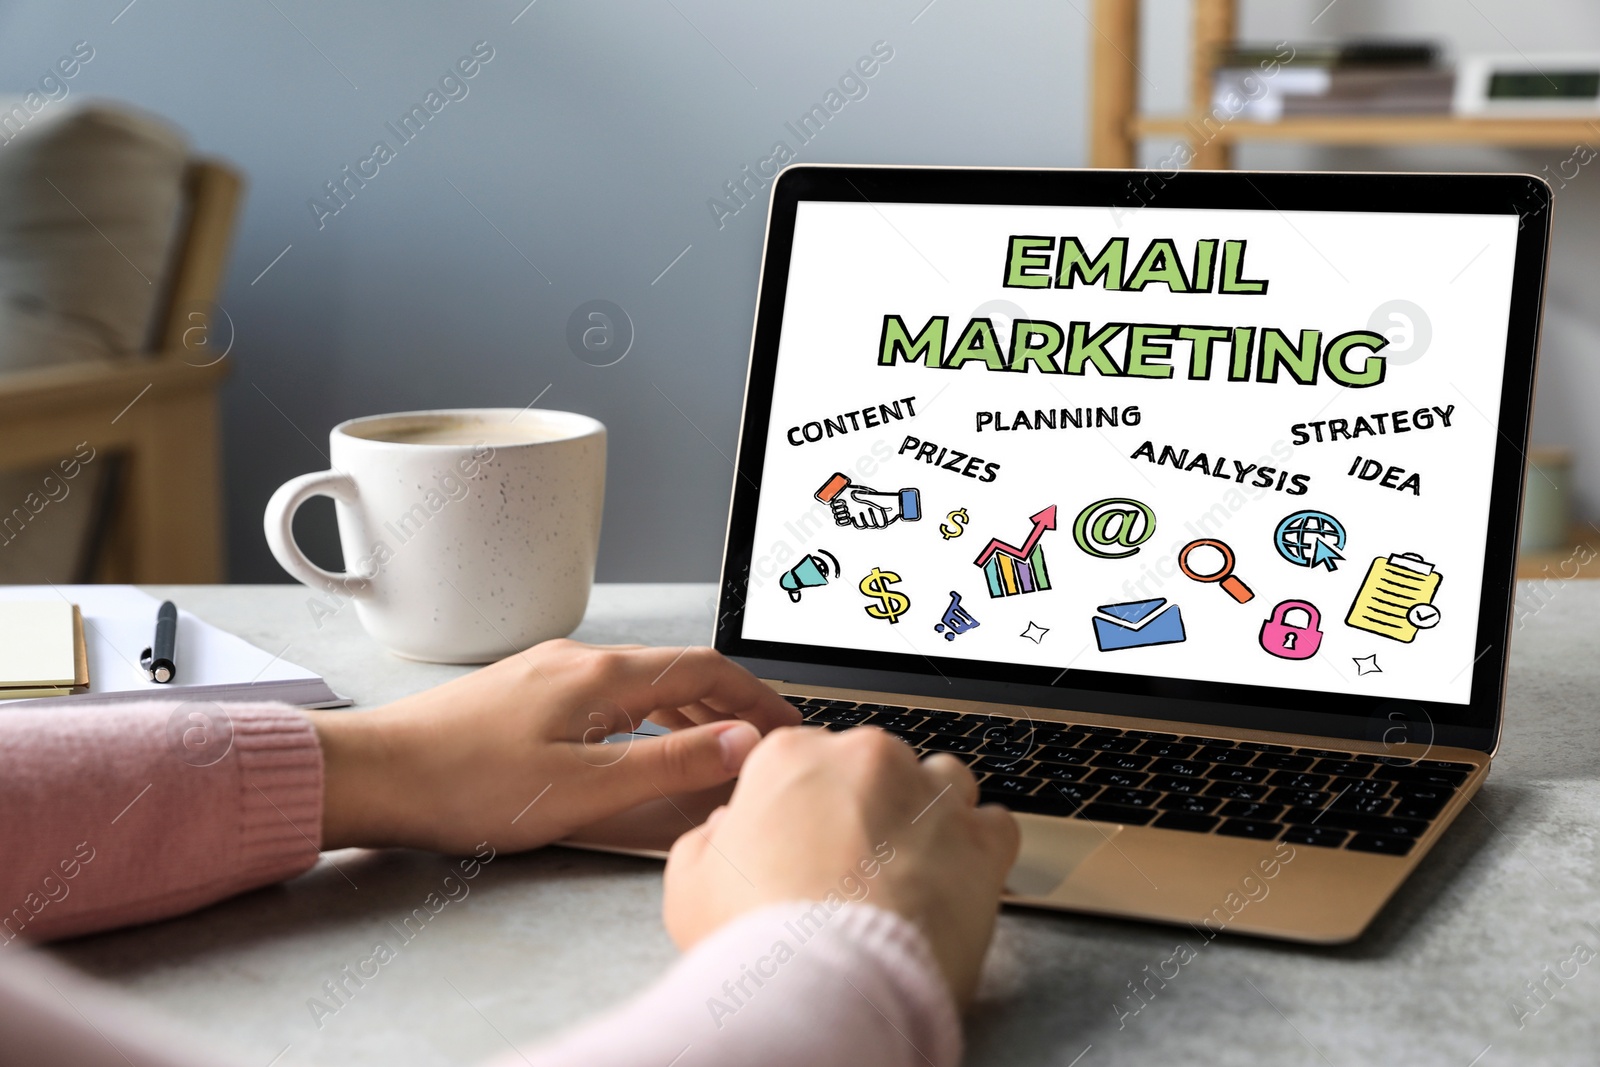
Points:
(791, 985)
(126, 814)
(134, 812)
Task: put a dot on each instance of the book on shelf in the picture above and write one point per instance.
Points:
(1268, 83)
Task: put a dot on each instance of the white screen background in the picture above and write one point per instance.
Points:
(854, 263)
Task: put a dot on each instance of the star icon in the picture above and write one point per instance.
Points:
(1367, 664)
(1035, 632)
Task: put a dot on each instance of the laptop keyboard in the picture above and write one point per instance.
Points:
(1306, 796)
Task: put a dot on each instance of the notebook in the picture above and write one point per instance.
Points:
(118, 621)
(41, 649)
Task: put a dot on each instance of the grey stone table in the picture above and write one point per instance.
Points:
(545, 938)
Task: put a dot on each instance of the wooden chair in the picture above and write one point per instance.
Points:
(158, 412)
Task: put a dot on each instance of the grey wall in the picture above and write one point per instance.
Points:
(592, 141)
(588, 148)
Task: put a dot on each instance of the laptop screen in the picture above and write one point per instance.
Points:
(1187, 444)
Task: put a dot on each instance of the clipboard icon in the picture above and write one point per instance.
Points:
(1394, 588)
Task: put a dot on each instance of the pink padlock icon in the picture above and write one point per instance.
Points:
(1292, 642)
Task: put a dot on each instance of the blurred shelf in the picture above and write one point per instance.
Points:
(1377, 129)
(1116, 127)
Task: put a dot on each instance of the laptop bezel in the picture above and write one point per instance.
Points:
(1475, 724)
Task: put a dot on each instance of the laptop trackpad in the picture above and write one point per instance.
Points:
(1051, 850)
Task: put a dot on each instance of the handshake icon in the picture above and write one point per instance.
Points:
(868, 509)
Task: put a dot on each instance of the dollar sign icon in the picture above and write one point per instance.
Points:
(891, 604)
(955, 524)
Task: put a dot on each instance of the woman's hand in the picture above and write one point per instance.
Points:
(853, 814)
(511, 754)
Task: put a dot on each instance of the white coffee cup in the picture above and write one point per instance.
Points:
(467, 534)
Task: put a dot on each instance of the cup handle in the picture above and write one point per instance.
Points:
(279, 524)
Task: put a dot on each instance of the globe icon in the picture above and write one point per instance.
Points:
(1310, 538)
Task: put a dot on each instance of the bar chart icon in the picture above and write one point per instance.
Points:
(1010, 570)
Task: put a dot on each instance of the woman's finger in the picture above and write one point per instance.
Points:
(950, 774)
(648, 680)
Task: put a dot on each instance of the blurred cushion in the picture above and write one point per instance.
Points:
(90, 198)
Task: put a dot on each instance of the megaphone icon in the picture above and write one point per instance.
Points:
(810, 571)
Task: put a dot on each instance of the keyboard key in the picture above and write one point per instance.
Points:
(839, 726)
(1389, 846)
(1225, 755)
(951, 727)
(1134, 798)
(1002, 747)
(1298, 780)
(1362, 805)
(1445, 765)
(1122, 761)
(1421, 776)
(1005, 783)
(1321, 836)
(1076, 792)
(1097, 729)
(1363, 824)
(1322, 753)
(1049, 734)
(1109, 743)
(1299, 798)
(914, 738)
(1238, 791)
(850, 716)
(1005, 731)
(1002, 765)
(1059, 754)
(1388, 761)
(1262, 746)
(1348, 768)
(945, 743)
(1360, 787)
(1215, 742)
(1407, 808)
(1115, 813)
(1284, 762)
(1167, 749)
(1244, 809)
(1422, 792)
(1039, 804)
(1192, 805)
(1225, 773)
(1058, 772)
(1151, 735)
(1180, 768)
(1123, 779)
(1171, 783)
(1183, 820)
(1261, 831)
(979, 723)
(1420, 806)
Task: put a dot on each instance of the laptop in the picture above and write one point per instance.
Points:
(1183, 507)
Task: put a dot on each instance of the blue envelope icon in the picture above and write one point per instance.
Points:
(1136, 624)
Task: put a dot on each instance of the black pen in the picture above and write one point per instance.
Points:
(161, 658)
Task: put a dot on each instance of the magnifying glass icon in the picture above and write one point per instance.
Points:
(1224, 574)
